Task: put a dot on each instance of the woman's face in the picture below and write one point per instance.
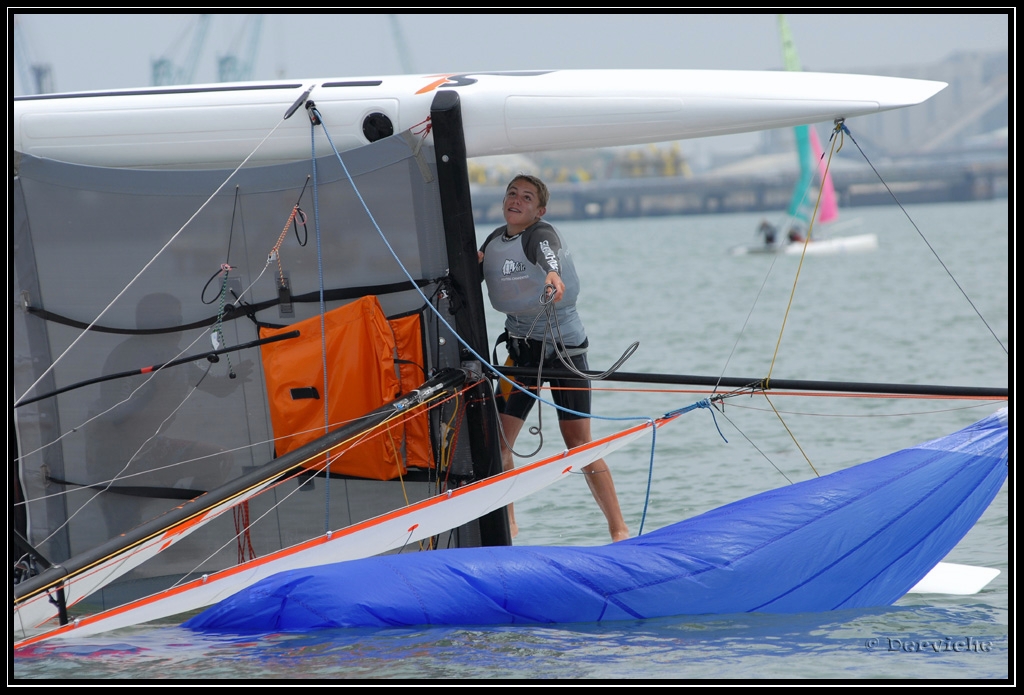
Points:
(521, 206)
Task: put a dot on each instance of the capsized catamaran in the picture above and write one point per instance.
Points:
(503, 113)
(147, 223)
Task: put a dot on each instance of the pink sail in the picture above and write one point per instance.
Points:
(828, 208)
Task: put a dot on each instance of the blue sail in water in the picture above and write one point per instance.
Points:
(861, 537)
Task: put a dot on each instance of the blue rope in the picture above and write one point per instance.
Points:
(705, 403)
(441, 318)
(650, 478)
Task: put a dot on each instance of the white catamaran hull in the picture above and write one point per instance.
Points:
(503, 112)
(387, 532)
(850, 244)
(816, 247)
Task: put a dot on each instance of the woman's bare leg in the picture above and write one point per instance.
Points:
(511, 426)
(599, 478)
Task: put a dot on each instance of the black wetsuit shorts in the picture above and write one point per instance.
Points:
(572, 396)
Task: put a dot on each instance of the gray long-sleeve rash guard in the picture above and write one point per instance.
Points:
(515, 270)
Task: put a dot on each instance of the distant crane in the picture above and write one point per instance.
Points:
(36, 78)
(166, 72)
(229, 67)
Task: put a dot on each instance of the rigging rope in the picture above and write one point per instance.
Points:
(923, 238)
(218, 327)
(334, 451)
(427, 401)
(297, 214)
(837, 139)
(218, 340)
(803, 254)
(765, 384)
(128, 463)
(483, 360)
(153, 260)
(316, 119)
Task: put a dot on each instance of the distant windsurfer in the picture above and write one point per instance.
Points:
(522, 261)
(768, 231)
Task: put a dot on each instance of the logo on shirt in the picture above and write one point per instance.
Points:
(510, 267)
(550, 256)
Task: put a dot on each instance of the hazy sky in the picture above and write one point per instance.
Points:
(104, 51)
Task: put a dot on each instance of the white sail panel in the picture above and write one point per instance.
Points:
(36, 610)
(381, 534)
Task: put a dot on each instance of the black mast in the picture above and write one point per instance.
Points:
(468, 302)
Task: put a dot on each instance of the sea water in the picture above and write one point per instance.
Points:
(929, 306)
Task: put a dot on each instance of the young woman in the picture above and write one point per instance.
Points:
(528, 269)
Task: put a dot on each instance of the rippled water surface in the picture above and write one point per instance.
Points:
(895, 315)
